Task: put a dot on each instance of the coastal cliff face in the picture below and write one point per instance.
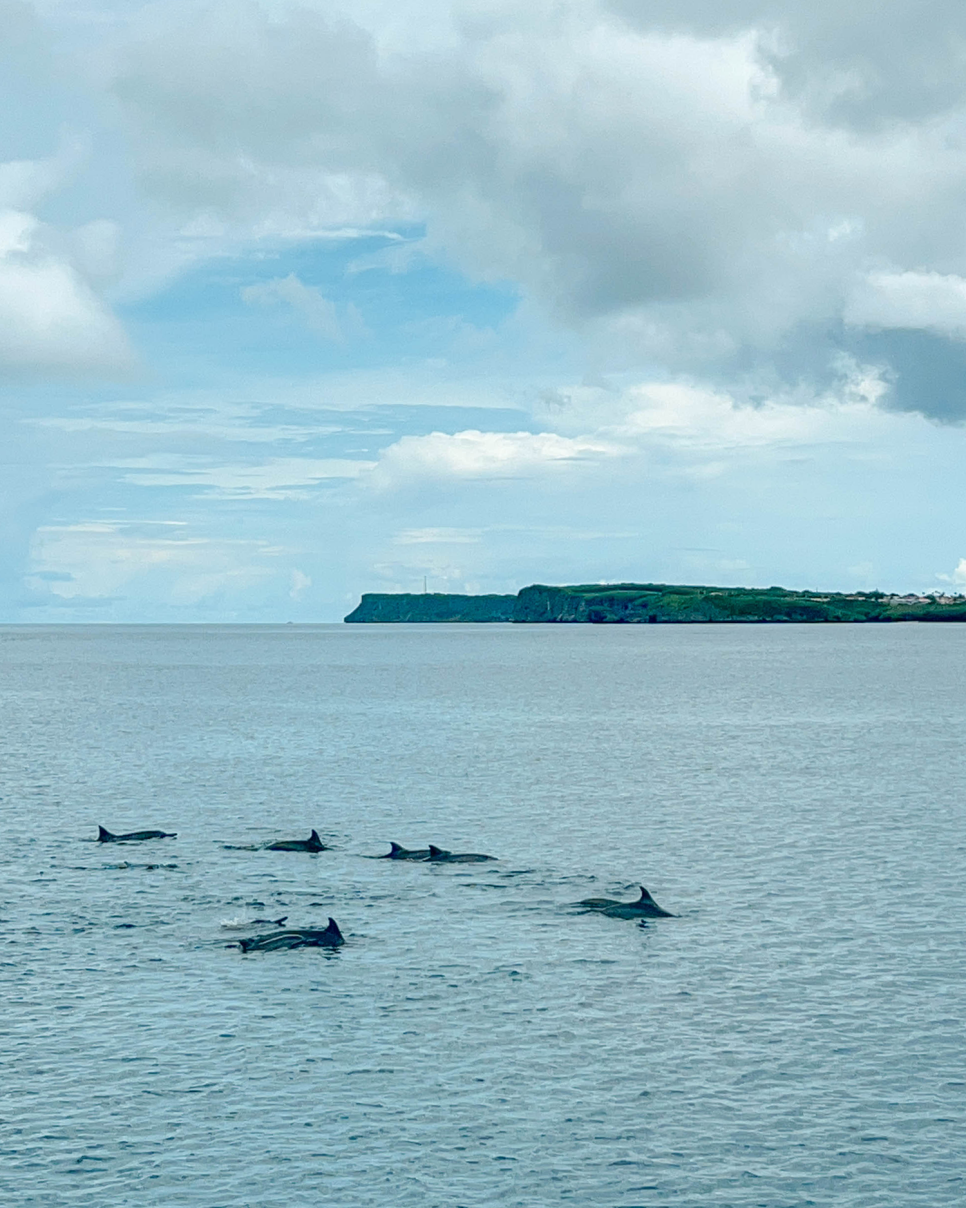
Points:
(411, 608)
(658, 604)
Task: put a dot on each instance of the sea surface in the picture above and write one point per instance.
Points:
(795, 1036)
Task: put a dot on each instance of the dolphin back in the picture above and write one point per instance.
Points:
(312, 843)
(398, 852)
(644, 908)
(463, 857)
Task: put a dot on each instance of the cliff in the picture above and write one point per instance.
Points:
(433, 606)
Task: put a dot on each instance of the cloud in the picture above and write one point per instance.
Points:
(484, 455)
(927, 301)
(958, 577)
(276, 478)
(724, 189)
(301, 582)
(51, 320)
(438, 536)
(105, 561)
(25, 182)
(317, 312)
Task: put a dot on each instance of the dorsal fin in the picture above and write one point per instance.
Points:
(103, 835)
(315, 837)
(394, 847)
(436, 851)
(646, 897)
(334, 927)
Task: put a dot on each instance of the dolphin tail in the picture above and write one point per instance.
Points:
(104, 836)
(279, 922)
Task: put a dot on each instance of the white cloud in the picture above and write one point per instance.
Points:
(929, 301)
(51, 320)
(276, 478)
(301, 582)
(958, 577)
(98, 560)
(438, 536)
(317, 312)
(25, 182)
(693, 418)
(485, 455)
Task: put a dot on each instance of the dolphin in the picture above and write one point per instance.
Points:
(644, 908)
(105, 836)
(312, 843)
(438, 856)
(401, 853)
(330, 937)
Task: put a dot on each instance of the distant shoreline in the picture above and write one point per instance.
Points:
(656, 604)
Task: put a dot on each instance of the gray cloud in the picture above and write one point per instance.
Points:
(690, 183)
(864, 64)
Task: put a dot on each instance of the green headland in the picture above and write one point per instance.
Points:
(660, 604)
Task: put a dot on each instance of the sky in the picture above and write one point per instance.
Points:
(302, 300)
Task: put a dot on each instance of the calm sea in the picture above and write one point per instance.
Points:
(795, 794)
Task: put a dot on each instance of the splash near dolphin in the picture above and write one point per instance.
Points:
(312, 843)
(105, 836)
(238, 924)
(295, 937)
(438, 856)
(644, 908)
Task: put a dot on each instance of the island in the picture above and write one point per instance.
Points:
(658, 604)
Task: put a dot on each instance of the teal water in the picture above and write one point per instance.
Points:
(795, 794)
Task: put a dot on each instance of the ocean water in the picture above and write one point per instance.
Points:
(795, 1036)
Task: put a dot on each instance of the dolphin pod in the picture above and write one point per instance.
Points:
(312, 843)
(644, 908)
(329, 937)
(105, 836)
